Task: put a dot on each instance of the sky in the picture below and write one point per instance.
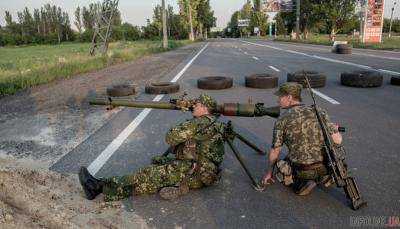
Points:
(137, 11)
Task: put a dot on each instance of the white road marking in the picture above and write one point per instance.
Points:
(354, 53)
(256, 58)
(390, 72)
(341, 62)
(99, 162)
(327, 98)
(328, 59)
(275, 69)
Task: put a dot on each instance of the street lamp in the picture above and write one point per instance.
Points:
(391, 20)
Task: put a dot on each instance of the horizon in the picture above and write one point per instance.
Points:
(137, 12)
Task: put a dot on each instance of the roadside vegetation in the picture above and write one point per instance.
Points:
(24, 67)
(320, 21)
(40, 45)
(392, 43)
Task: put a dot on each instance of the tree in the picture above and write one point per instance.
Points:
(205, 17)
(257, 5)
(336, 13)
(259, 19)
(395, 25)
(78, 20)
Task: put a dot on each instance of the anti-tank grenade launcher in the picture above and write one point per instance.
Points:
(184, 104)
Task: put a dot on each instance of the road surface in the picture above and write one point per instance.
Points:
(371, 116)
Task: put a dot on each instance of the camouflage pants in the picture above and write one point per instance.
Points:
(151, 179)
(301, 177)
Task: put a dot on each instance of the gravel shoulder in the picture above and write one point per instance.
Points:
(46, 122)
(40, 125)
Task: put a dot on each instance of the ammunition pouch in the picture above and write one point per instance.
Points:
(283, 172)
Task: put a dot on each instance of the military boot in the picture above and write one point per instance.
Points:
(91, 186)
(170, 193)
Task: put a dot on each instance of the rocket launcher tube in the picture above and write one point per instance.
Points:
(226, 109)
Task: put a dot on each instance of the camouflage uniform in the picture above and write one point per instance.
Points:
(198, 140)
(299, 130)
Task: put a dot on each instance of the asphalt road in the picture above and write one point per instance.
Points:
(371, 116)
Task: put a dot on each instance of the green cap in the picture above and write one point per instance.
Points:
(293, 89)
(207, 101)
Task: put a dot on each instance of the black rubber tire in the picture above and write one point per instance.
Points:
(158, 88)
(343, 49)
(121, 90)
(215, 83)
(361, 79)
(263, 81)
(317, 80)
(395, 80)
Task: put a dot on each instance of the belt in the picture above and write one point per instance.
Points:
(304, 167)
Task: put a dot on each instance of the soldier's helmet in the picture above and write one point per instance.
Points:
(207, 101)
(290, 88)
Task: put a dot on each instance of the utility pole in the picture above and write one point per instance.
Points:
(164, 25)
(391, 20)
(191, 34)
(298, 19)
(362, 15)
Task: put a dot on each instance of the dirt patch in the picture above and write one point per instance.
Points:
(40, 125)
(46, 122)
(33, 197)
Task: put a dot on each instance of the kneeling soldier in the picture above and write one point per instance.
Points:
(198, 149)
(299, 130)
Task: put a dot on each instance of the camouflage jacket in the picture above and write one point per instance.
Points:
(197, 139)
(299, 130)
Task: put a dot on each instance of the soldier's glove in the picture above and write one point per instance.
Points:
(229, 134)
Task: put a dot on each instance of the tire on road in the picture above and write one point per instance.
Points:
(121, 90)
(317, 80)
(395, 81)
(361, 79)
(157, 88)
(343, 49)
(263, 81)
(215, 83)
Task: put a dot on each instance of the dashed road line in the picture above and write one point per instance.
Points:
(327, 59)
(390, 72)
(327, 98)
(273, 68)
(99, 162)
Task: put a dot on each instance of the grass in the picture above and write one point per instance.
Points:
(28, 66)
(392, 43)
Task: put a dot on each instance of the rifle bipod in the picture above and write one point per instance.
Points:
(229, 137)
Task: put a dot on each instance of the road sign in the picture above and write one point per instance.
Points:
(216, 29)
(277, 5)
(373, 21)
(243, 22)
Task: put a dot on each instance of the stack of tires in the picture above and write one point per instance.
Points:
(262, 81)
(215, 83)
(343, 49)
(157, 88)
(121, 90)
(361, 79)
(395, 81)
(316, 79)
